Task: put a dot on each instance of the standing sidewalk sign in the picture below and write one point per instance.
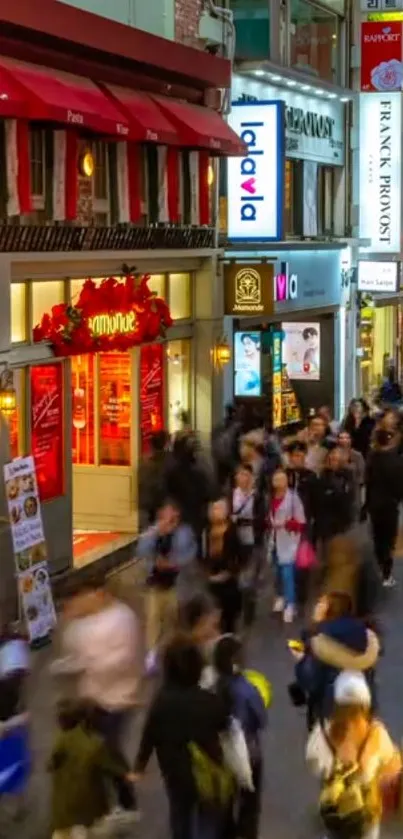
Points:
(30, 554)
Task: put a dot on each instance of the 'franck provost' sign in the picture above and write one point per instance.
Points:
(314, 125)
(380, 175)
(256, 182)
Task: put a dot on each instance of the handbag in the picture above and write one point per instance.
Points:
(306, 556)
(236, 755)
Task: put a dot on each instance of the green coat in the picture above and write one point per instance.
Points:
(80, 765)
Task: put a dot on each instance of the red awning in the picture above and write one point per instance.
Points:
(201, 128)
(148, 123)
(13, 103)
(64, 98)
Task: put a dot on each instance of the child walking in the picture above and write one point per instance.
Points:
(248, 707)
(80, 765)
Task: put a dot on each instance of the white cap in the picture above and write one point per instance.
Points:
(351, 688)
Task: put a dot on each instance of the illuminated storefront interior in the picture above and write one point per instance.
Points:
(378, 344)
(116, 400)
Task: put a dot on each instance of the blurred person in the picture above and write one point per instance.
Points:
(222, 562)
(287, 522)
(200, 617)
(335, 497)
(79, 767)
(188, 484)
(225, 446)
(390, 422)
(336, 641)
(316, 438)
(350, 569)
(332, 426)
(248, 707)
(170, 549)
(390, 392)
(359, 425)
(353, 460)
(183, 716)
(152, 478)
(249, 517)
(301, 479)
(352, 737)
(101, 644)
(384, 490)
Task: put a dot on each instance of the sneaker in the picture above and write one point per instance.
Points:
(278, 605)
(289, 614)
(390, 582)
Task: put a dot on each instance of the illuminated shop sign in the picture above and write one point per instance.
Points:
(374, 6)
(256, 182)
(285, 285)
(380, 176)
(378, 277)
(111, 324)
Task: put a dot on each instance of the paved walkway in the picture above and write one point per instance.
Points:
(290, 794)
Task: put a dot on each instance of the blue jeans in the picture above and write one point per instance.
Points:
(286, 583)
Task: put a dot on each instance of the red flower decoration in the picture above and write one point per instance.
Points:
(68, 329)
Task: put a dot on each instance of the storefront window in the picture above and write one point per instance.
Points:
(83, 406)
(45, 295)
(157, 284)
(114, 409)
(378, 344)
(151, 393)
(178, 380)
(16, 427)
(18, 312)
(180, 296)
(47, 428)
(314, 40)
(252, 27)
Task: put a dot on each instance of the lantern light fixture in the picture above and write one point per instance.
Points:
(8, 396)
(222, 352)
(86, 164)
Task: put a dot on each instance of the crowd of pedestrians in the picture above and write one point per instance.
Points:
(266, 524)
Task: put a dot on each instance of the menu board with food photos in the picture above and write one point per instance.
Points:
(29, 545)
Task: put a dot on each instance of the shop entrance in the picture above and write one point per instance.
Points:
(104, 453)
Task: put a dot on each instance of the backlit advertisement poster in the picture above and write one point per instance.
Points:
(301, 350)
(247, 364)
(47, 428)
(276, 382)
(151, 393)
(381, 56)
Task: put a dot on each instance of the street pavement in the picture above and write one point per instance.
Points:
(290, 794)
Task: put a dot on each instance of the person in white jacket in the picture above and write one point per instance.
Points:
(101, 645)
(287, 520)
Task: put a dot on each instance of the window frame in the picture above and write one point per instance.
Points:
(339, 72)
(38, 198)
(101, 206)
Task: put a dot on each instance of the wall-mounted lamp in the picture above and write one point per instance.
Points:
(8, 396)
(86, 164)
(222, 352)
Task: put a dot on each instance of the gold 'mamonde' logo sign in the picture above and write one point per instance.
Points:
(123, 322)
(249, 289)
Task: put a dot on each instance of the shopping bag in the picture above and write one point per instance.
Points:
(306, 556)
(236, 755)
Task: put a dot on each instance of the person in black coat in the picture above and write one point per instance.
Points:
(188, 484)
(223, 561)
(384, 485)
(301, 479)
(182, 713)
(335, 497)
(359, 425)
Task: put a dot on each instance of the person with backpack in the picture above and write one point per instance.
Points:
(356, 760)
(249, 707)
(183, 728)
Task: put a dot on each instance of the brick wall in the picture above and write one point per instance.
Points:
(187, 16)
